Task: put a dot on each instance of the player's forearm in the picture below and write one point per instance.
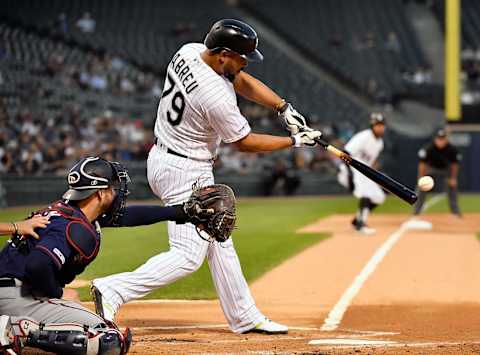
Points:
(421, 169)
(263, 143)
(7, 228)
(145, 215)
(453, 170)
(254, 90)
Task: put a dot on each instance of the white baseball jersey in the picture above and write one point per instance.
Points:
(198, 108)
(364, 146)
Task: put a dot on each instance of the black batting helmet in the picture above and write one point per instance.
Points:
(91, 174)
(236, 36)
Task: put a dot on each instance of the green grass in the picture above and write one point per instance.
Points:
(265, 237)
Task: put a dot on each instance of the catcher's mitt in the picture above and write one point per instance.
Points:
(212, 210)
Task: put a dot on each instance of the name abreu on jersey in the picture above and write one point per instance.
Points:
(184, 74)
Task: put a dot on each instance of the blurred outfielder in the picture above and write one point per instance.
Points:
(365, 146)
(198, 109)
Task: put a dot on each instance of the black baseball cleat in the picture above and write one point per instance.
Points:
(9, 343)
(102, 307)
(362, 228)
(355, 223)
(97, 300)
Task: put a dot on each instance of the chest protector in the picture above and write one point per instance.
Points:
(80, 233)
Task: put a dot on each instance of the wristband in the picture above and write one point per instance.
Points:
(281, 106)
(15, 227)
(294, 141)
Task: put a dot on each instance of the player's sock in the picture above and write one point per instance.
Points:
(363, 211)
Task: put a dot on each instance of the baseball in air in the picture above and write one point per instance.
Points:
(425, 183)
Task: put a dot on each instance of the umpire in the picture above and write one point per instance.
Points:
(440, 160)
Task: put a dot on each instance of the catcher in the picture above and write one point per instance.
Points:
(33, 272)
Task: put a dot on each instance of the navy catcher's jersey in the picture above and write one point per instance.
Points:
(70, 240)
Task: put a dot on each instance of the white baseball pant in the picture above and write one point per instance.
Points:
(171, 179)
(363, 186)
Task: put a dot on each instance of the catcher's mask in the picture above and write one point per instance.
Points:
(93, 173)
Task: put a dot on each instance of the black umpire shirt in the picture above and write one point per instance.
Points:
(439, 158)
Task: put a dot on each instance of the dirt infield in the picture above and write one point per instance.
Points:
(422, 297)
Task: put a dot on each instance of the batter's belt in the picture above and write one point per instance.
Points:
(164, 148)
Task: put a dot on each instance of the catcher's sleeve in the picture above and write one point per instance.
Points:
(144, 215)
(40, 271)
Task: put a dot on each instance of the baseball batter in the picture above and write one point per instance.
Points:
(365, 146)
(198, 109)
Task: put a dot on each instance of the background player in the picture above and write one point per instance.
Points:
(365, 146)
(33, 272)
(439, 159)
(198, 109)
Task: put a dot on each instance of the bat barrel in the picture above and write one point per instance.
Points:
(381, 179)
(385, 181)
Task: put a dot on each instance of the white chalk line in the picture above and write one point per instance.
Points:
(335, 316)
(432, 201)
(349, 342)
(352, 333)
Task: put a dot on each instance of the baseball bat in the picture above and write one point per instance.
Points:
(385, 181)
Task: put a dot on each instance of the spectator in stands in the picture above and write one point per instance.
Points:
(322, 162)
(31, 160)
(393, 43)
(156, 90)
(52, 160)
(126, 86)
(421, 75)
(184, 30)
(336, 40)
(303, 157)
(97, 80)
(59, 27)
(55, 63)
(62, 24)
(86, 23)
(6, 162)
(372, 87)
(283, 174)
(83, 79)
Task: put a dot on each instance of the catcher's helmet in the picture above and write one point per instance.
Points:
(376, 118)
(236, 36)
(91, 174)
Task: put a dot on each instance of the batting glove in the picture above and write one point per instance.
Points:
(294, 121)
(306, 138)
